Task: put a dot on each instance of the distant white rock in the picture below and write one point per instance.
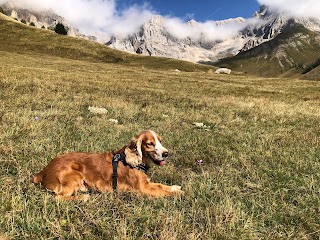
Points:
(223, 71)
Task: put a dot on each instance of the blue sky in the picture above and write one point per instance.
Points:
(200, 10)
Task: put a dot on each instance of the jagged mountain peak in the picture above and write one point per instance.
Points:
(192, 23)
(230, 20)
(157, 38)
(270, 24)
(269, 15)
(264, 12)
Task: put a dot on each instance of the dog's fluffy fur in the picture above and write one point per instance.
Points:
(68, 173)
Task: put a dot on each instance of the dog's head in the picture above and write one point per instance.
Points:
(146, 148)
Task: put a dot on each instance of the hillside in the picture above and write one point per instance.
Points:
(292, 53)
(17, 37)
(313, 74)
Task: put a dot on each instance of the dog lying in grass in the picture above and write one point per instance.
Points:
(121, 170)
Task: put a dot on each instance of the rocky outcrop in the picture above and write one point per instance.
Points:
(154, 39)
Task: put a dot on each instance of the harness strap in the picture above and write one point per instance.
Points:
(143, 168)
(115, 160)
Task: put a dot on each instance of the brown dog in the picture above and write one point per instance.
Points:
(70, 172)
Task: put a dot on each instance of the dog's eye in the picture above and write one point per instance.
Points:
(150, 144)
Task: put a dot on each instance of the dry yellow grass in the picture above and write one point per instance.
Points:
(259, 178)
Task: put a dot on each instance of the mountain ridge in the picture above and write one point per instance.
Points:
(265, 31)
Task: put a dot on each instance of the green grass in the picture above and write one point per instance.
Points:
(260, 176)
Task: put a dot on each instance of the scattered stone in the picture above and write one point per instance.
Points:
(113, 120)
(97, 110)
(176, 70)
(199, 161)
(201, 126)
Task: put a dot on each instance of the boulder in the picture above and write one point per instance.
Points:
(223, 71)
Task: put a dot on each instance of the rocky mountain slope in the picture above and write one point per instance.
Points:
(271, 24)
(154, 39)
(42, 19)
(294, 51)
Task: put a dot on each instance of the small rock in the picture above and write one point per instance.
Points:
(201, 125)
(113, 120)
(97, 110)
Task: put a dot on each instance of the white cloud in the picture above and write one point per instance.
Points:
(208, 30)
(94, 17)
(297, 8)
(102, 18)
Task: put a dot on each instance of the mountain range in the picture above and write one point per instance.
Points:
(274, 44)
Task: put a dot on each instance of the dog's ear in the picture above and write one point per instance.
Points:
(133, 152)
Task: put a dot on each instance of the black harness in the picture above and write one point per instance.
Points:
(122, 157)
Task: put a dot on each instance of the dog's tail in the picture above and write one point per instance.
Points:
(37, 178)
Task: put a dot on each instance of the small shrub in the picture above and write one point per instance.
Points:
(32, 24)
(2, 11)
(311, 66)
(60, 29)
(24, 21)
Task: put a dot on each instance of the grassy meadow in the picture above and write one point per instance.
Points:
(260, 149)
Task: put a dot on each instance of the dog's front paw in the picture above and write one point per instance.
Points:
(176, 190)
(84, 197)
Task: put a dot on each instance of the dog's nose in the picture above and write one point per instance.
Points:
(165, 154)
